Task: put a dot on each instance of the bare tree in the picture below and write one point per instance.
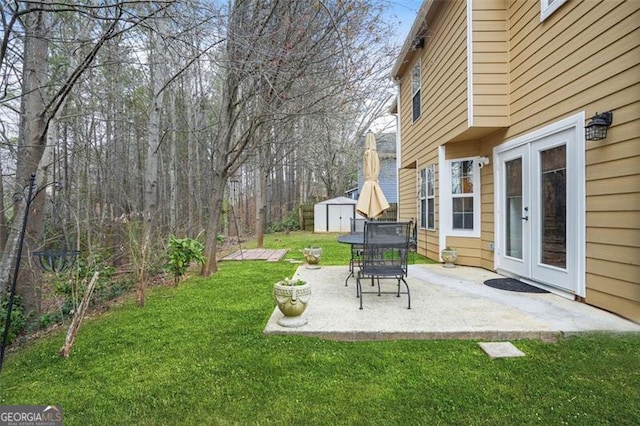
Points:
(155, 108)
(43, 100)
(277, 66)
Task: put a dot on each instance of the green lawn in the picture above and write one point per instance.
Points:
(196, 355)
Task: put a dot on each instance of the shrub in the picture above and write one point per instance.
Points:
(67, 284)
(288, 223)
(183, 251)
(18, 318)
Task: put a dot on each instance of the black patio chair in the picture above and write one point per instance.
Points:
(385, 256)
(413, 240)
(357, 227)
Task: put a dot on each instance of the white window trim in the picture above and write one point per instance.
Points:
(413, 92)
(442, 235)
(576, 160)
(423, 185)
(446, 201)
(547, 9)
(432, 196)
(470, 112)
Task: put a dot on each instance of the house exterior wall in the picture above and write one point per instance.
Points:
(488, 73)
(443, 87)
(523, 75)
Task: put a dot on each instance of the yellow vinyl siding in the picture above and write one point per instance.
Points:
(608, 285)
(444, 101)
(624, 184)
(487, 218)
(588, 58)
(615, 167)
(490, 60)
(428, 243)
(407, 205)
(585, 57)
(467, 248)
(462, 150)
(443, 84)
(627, 308)
(625, 253)
(614, 285)
(609, 219)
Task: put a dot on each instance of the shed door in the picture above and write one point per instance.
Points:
(339, 217)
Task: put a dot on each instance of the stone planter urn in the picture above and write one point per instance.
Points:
(291, 297)
(449, 256)
(312, 256)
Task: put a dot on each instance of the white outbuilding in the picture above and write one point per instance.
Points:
(334, 215)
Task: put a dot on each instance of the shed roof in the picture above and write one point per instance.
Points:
(339, 200)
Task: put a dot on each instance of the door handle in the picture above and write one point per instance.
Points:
(525, 218)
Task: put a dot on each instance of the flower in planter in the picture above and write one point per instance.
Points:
(291, 281)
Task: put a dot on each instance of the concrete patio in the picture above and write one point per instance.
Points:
(445, 304)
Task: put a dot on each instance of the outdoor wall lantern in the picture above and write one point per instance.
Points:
(483, 161)
(418, 43)
(597, 128)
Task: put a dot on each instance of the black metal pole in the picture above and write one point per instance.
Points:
(7, 323)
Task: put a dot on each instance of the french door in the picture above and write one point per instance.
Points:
(537, 239)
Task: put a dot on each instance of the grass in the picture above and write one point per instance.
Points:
(196, 355)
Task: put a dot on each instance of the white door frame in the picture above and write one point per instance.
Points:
(576, 211)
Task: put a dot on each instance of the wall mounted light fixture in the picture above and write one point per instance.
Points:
(597, 128)
(417, 43)
(483, 161)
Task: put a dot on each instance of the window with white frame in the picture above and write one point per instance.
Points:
(427, 198)
(547, 7)
(415, 91)
(462, 204)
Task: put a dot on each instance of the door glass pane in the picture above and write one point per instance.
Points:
(554, 207)
(513, 203)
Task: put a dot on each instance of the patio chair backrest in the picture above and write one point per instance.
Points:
(386, 248)
(357, 225)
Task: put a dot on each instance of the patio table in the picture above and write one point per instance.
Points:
(353, 239)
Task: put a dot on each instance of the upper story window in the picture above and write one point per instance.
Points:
(547, 7)
(427, 198)
(415, 90)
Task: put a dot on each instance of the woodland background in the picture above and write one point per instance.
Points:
(157, 117)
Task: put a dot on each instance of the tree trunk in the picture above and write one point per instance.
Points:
(78, 316)
(173, 172)
(151, 165)
(31, 149)
(210, 265)
(4, 227)
(262, 177)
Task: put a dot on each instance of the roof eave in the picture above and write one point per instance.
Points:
(418, 27)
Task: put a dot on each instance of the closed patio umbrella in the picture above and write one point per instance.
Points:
(371, 202)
